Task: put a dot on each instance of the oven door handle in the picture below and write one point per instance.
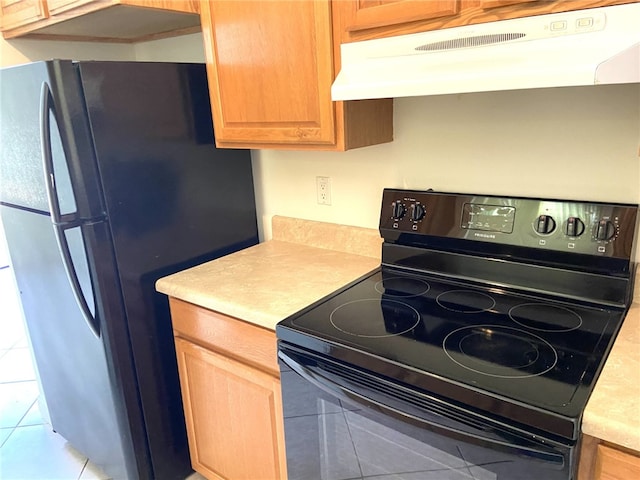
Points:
(531, 452)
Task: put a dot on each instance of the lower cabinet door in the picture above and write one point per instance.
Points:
(234, 416)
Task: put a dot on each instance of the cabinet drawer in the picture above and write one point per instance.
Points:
(227, 335)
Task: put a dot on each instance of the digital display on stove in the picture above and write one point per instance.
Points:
(488, 218)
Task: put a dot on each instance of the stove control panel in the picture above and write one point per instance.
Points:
(590, 228)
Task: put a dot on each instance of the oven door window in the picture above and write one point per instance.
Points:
(333, 436)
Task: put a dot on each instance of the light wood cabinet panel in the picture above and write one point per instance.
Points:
(271, 70)
(18, 13)
(270, 66)
(124, 21)
(230, 336)
(600, 461)
(230, 385)
(234, 416)
(399, 21)
(378, 13)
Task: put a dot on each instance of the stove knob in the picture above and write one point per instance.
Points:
(575, 227)
(605, 230)
(545, 224)
(398, 209)
(417, 212)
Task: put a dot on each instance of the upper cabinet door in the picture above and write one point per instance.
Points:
(382, 13)
(270, 67)
(16, 13)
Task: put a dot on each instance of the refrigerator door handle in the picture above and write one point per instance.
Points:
(61, 222)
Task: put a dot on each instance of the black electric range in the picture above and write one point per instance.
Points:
(507, 307)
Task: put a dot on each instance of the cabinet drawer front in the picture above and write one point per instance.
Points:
(230, 336)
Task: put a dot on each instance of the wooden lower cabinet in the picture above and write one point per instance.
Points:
(600, 461)
(231, 395)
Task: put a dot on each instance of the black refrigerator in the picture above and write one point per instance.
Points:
(110, 179)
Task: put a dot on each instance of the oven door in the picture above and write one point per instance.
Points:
(344, 423)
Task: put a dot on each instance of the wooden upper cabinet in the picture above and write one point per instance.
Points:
(17, 13)
(379, 13)
(370, 19)
(125, 21)
(270, 66)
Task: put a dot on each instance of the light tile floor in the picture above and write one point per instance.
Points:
(29, 449)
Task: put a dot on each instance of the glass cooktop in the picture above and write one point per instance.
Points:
(540, 352)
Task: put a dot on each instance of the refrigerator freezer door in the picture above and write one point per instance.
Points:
(173, 200)
(21, 178)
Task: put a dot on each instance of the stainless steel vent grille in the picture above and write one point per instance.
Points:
(466, 42)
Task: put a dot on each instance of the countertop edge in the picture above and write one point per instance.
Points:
(605, 416)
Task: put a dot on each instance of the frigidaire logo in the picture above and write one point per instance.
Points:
(484, 235)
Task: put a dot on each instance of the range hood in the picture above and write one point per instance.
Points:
(586, 47)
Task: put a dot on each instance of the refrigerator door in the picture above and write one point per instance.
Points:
(173, 201)
(64, 215)
(83, 382)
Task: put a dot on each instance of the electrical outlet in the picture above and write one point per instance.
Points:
(323, 190)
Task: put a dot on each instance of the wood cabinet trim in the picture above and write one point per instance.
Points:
(613, 464)
(599, 460)
(230, 336)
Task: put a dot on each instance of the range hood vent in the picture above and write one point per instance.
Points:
(465, 42)
(586, 47)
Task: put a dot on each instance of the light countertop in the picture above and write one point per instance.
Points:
(268, 282)
(308, 260)
(613, 411)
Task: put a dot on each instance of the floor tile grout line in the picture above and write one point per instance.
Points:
(13, 429)
(84, 467)
(26, 413)
(17, 425)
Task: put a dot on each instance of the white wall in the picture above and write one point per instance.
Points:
(573, 143)
(570, 143)
(15, 52)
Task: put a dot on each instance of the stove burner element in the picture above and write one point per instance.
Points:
(402, 287)
(374, 318)
(497, 351)
(545, 318)
(465, 301)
